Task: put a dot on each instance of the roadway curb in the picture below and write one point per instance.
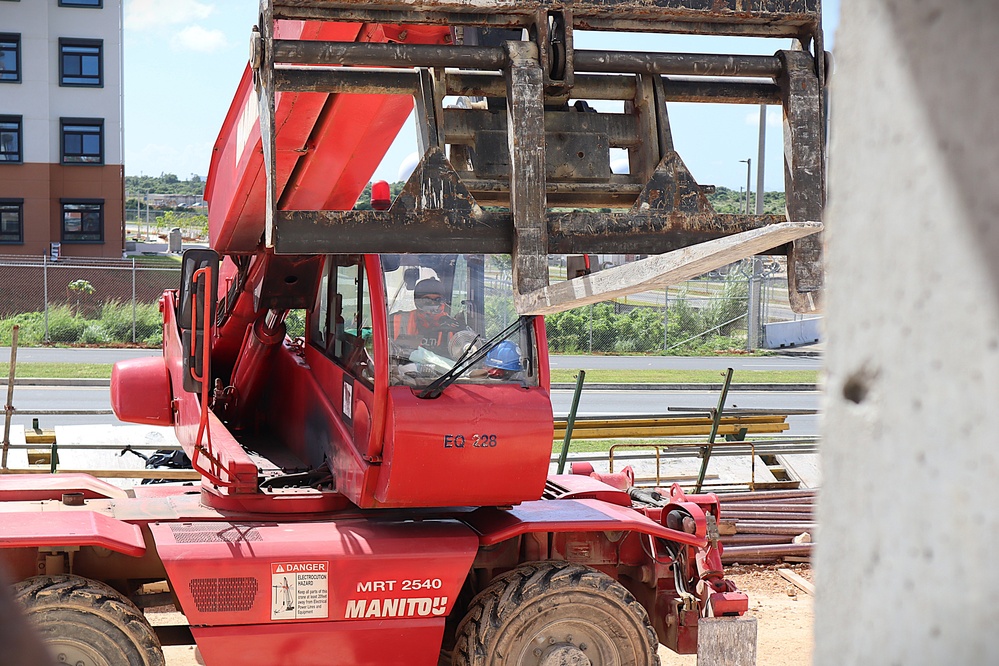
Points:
(49, 381)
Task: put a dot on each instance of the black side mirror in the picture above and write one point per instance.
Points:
(196, 311)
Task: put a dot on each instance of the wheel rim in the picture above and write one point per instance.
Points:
(76, 653)
(569, 642)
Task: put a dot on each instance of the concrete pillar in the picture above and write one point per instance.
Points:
(908, 554)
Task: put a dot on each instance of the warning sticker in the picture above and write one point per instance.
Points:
(299, 590)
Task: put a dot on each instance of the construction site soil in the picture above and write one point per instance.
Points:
(783, 611)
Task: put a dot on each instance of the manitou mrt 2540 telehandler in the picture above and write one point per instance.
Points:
(377, 492)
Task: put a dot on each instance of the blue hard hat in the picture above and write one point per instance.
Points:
(504, 356)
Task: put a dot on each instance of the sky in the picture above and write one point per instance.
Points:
(184, 58)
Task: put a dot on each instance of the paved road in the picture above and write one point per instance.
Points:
(592, 403)
(62, 397)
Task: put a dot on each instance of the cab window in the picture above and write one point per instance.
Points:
(342, 315)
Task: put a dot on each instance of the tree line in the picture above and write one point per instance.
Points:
(724, 200)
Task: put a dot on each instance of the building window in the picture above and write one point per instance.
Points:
(82, 140)
(81, 3)
(10, 139)
(83, 221)
(10, 58)
(81, 62)
(11, 220)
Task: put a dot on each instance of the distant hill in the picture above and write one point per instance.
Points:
(724, 200)
(165, 183)
(730, 201)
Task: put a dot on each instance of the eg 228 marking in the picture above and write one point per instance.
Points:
(473, 441)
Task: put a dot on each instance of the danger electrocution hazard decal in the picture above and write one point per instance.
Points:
(300, 590)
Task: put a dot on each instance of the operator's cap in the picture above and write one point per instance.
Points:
(428, 286)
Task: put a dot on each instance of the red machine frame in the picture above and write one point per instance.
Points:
(393, 545)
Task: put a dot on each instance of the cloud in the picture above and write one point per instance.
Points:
(144, 14)
(196, 38)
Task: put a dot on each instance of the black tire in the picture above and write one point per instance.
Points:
(548, 613)
(87, 622)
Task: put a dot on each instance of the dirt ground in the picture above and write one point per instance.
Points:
(784, 615)
(783, 612)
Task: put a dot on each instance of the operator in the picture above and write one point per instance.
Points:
(428, 325)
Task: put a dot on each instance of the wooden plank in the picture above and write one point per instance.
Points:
(798, 581)
(39, 456)
(726, 641)
(671, 431)
(39, 436)
(588, 422)
(662, 270)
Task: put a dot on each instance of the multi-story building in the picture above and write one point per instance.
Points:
(61, 173)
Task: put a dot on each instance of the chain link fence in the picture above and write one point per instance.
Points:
(101, 301)
(710, 313)
(88, 301)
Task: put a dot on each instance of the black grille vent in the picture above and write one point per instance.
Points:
(213, 533)
(223, 595)
(554, 491)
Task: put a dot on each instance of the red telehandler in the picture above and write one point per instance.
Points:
(378, 491)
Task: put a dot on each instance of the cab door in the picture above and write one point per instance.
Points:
(341, 350)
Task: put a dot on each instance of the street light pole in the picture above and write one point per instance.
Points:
(754, 326)
(760, 155)
(749, 169)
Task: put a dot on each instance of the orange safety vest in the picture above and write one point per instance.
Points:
(406, 323)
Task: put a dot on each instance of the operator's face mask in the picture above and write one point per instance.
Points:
(431, 305)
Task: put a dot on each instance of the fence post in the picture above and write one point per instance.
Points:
(45, 295)
(665, 319)
(133, 300)
(753, 305)
(591, 328)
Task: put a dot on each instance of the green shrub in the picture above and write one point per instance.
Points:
(32, 331)
(641, 329)
(116, 319)
(64, 326)
(295, 324)
(148, 321)
(95, 334)
(727, 311)
(113, 325)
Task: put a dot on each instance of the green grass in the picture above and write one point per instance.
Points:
(687, 376)
(59, 370)
(158, 260)
(103, 370)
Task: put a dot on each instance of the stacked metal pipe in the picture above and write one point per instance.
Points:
(767, 526)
